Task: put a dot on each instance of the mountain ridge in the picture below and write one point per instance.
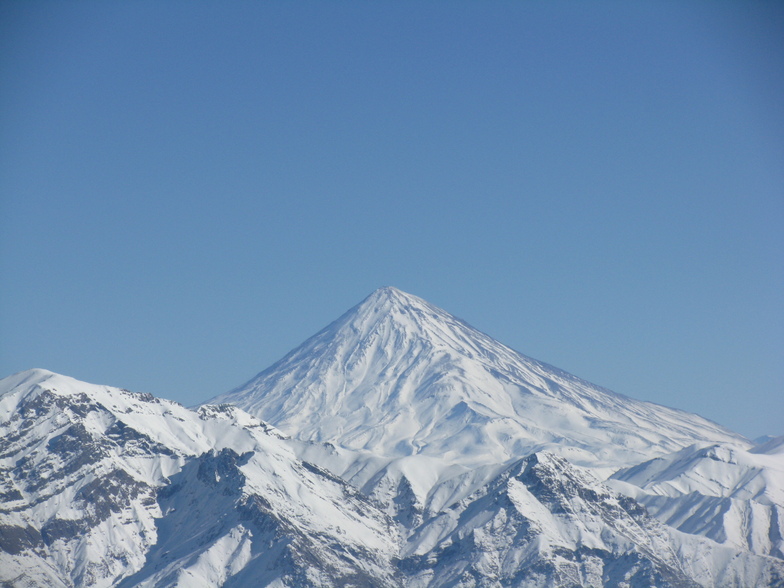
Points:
(413, 451)
(116, 488)
(99, 485)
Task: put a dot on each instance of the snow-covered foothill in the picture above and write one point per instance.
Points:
(99, 483)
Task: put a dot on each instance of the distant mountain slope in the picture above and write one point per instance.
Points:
(398, 376)
(724, 492)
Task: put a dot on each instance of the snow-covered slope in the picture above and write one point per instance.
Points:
(105, 487)
(398, 376)
(100, 483)
(732, 495)
(542, 522)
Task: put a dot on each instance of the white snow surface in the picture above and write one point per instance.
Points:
(422, 412)
(542, 522)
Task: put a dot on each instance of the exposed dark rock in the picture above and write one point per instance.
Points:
(15, 540)
(57, 528)
(221, 470)
(110, 493)
(135, 442)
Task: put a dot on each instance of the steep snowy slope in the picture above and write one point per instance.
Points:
(397, 376)
(724, 492)
(100, 483)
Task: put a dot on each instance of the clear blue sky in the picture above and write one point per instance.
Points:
(189, 190)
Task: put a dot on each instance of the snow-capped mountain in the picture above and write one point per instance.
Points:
(397, 376)
(101, 486)
(412, 451)
(423, 412)
(105, 487)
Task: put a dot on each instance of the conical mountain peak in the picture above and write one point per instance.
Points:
(391, 294)
(393, 302)
(387, 301)
(397, 376)
(393, 312)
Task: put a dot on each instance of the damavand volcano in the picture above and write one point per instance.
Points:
(397, 376)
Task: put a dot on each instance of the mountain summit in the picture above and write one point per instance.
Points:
(398, 376)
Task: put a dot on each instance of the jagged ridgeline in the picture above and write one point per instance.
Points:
(397, 447)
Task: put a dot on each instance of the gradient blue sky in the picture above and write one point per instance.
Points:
(189, 190)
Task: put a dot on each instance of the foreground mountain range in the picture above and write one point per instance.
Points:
(396, 447)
